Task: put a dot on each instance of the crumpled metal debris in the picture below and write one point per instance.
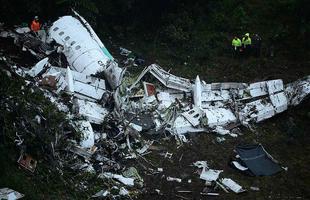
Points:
(132, 172)
(232, 185)
(9, 194)
(207, 174)
(112, 193)
(255, 160)
(120, 178)
(27, 162)
(169, 178)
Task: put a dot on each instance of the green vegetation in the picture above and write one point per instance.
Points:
(191, 32)
(27, 113)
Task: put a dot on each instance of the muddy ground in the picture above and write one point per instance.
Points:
(285, 137)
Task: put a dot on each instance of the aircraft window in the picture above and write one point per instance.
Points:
(61, 33)
(67, 38)
(191, 112)
(77, 47)
(55, 29)
(72, 43)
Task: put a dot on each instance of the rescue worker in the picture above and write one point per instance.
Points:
(35, 24)
(256, 45)
(236, 45)
(246, 43)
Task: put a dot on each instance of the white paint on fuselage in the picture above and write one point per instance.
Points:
(83, 52)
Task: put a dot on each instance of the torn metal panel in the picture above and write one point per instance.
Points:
(257, 89)
(206, 173)
(210, 174)
(201, 164)
(27, 162)
(257, 111)
(215, 95)
(239, 166)
(297, 91)
(38, 67)
(145, 147)
(132, 172)
(81, 152)
(182, 126)
(136, 127)
(227, 86)
(174, 179)
(22, 30)
(49, 81)
(213, 104)
(145, 120)
(84, 127)
(167, 79)
(89, 86)
(232, 185)
(149, 89)
(222, 131)
(9, 194)
(69, 80)
(170, 80)
(219, 116)
(83, 86)
(165, 100)
(101, 193)
(124, 52)
(120, 178)
(193, 116)
(197, 90)
(94, 112)
(259, 162)
(274, 86)
(29, 42)
(279, 101)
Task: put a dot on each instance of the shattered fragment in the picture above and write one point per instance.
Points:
(232, 185)
(88, 138)
(257, 160)
(27, 162)
(132, 172)
(207, 174)
(94, 112)
(120, 178)
(174, 179)
(9, 194)
(101, 193)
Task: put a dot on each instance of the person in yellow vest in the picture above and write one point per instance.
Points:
(246, 43)
(236, 45)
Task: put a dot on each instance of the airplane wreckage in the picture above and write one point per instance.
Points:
(74, 61)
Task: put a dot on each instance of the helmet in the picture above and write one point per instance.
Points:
(247, 34)
(36, 17)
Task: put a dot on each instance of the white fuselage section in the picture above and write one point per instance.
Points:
(84, 51)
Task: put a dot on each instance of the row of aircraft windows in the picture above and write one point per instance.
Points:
(67, 38)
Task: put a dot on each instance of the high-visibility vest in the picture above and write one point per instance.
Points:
(247, 41)
(35, 26)
(236, 42)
